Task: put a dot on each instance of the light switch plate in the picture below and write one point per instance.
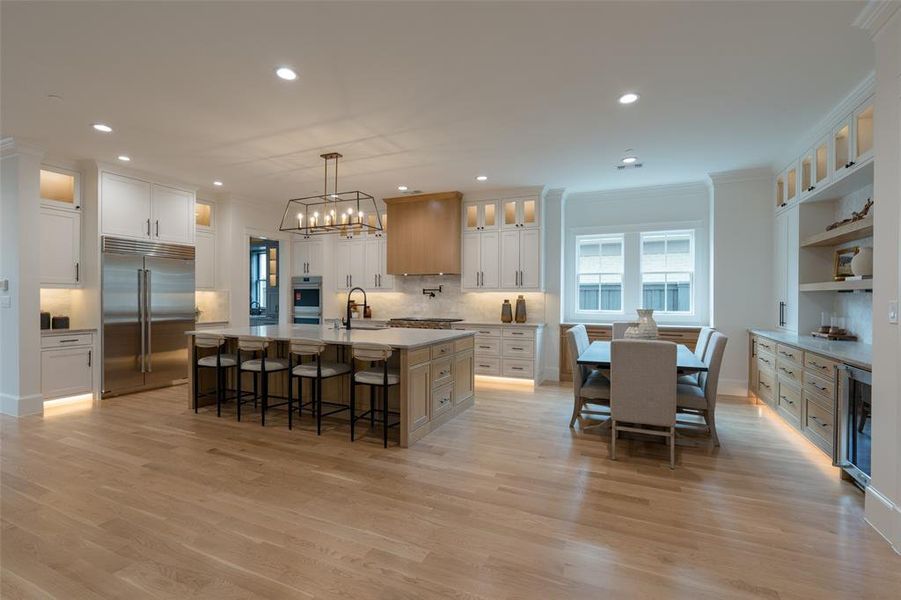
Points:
(4, 285)
(893, 312)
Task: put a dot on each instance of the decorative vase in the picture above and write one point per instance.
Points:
(506, 312)
(520, 309)
(646, 328)
(862, 263)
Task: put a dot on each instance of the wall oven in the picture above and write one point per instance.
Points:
(306, 305)
(853, 436)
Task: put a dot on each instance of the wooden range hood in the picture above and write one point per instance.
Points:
(425, 234)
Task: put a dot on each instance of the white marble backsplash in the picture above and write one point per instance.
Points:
(213, 306)
(452, 302)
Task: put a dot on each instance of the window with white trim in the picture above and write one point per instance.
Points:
(599, 272)
(667, 271)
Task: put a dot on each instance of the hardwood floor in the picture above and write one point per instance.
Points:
(142, 498)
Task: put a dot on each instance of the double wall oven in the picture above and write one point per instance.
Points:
(306, 305)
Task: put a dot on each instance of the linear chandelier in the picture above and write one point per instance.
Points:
(345, 213)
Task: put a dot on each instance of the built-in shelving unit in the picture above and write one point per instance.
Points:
(838, 286)
(840, 235)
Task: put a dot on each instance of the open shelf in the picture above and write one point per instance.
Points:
(838, 286)
(846, 233)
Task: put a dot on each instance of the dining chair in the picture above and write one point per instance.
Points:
(701, 399)
(700, 351)
(589, 385)
(643, 390)
(619, 329)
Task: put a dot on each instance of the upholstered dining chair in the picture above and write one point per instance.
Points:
(643, 390)
(619, 329)
(700, 399)
(589, 385)
(700, 352)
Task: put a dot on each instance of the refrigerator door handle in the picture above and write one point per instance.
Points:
(148, 317)
(141, 316)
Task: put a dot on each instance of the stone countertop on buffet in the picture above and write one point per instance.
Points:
(399, 338)
(854, 353)
(530, 325)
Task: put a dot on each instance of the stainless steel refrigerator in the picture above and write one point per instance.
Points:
(148, 305)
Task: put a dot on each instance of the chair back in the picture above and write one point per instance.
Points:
(372, 352)
(703, 340)
(713, 358)
(643, 382)
(577, 343)
(619, 329)
(208, 340)
(252, 343)
(306, 347)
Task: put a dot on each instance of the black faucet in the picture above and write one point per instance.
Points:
(347, 322)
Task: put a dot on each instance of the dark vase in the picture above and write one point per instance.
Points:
(506, 312)
(520, 309)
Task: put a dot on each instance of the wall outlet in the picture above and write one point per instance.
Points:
(893, 312)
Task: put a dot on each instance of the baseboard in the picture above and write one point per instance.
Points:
(884, 516)
(733, 387)
(17, 406)
(551, 374)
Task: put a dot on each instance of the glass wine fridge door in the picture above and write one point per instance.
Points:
(856, 431)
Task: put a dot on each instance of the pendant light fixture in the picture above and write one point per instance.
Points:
(344, 213)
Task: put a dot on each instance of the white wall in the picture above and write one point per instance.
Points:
(678, 206)
(741, 262)
(883, 500)
(554, 226)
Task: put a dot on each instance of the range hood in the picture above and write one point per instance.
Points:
(425, 234)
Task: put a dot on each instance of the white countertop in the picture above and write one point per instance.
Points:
(496, 324)
(396, 337)
(855, 353)
(67, 331)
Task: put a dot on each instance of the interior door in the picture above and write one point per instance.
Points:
(510, 243)
(170, 297)
(489, 258)
(172, 215)
(122, 326)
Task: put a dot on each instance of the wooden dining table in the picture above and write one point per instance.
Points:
(598, 355)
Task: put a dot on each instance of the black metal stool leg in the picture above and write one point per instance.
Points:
(372, 407)
(319, 407)
(255, 387)
(219, 390)
(240, 392)
(264, 383)
(353, 403)
(196, 385)
(385, 413)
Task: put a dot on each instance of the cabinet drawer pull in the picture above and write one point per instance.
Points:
(764, 360)
(818, 422)
(786, 371)
(484, 347)
(517, 368)
(819, 387)
(516, 348)
(68, 341)
(485, 366)
(787, 400)
(515, 333)
(765, 384)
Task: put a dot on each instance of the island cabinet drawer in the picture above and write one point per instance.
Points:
(487, 331)
(442, 400)
(66, 341)
(519, 333)
(766, 386)
(488, 347)
(442, 350)
(517, 368)
(823, 367)
(818, 386)
(463, 345)
(788, 370)
(517, 348)
(442, 371)
(766, 345)
(766, 362)
(819, 420)
(419, 356)
(790, 400)
(487, 366)
(787, 353)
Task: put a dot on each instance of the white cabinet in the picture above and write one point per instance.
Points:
(205, 261)
(478, 216)
(375, 274)
(60, 188)
(785, 270)
(481, 260)
(521, 259)
(67, 365)
(518, 213)
(142, 210)
(308, 257)
(59, 246)
(350, 265)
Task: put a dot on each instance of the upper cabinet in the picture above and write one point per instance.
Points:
(141, 210)
(59, 247)
(863, 132)
(204, 216)
(478, 216)
(519, 213)
(60, 188)
(308, 257)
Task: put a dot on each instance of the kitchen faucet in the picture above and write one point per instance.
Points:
(365, 304)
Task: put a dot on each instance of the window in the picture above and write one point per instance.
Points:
(258, 275)
(667, 271)
(599, 271)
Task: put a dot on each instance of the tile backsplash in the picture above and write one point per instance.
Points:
(857, 307)
(213, 306)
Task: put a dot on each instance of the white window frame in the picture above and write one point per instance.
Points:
(691, 271)
(600, 239)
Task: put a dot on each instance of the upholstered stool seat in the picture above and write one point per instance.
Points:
(376, 377)
(272, 365)
(329, 369)
(224, 360)
(316, 370)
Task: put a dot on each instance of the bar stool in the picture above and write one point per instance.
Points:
(316, 371)
(376, 377)
(220, 362)
(261, 368)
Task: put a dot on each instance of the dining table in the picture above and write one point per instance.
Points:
(598, 355)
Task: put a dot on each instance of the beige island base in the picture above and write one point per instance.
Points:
(436, 370)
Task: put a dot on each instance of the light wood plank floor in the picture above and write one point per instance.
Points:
(142, 498)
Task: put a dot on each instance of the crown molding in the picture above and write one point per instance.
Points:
(638, 192)
(740, 175)
(10, 146)
(875, 14)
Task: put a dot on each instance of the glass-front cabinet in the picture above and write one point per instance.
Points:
(519, 213)
(841, 148)
(59, 188)
(203, 215)
(863, 132)
(807, 173)
(780, 190)
(821, 172)
(478, 216)
(791, 184)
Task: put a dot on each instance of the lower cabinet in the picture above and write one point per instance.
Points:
(67, 365)
(440, 378)
(463, 372)
(504, 350)
(419, 395)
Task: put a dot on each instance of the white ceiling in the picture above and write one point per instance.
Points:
(426, 94)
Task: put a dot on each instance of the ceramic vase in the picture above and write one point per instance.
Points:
(506, 312)
(520, 309)
(646, 328)
(862, 263)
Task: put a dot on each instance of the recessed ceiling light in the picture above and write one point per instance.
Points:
(286, 73)
(629, 160)
(217, 183)
(124, 158)
(628, 98)
(481, 178)
(402, 188)
(102, 127)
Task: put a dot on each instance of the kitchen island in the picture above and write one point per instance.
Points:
(435, 366)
